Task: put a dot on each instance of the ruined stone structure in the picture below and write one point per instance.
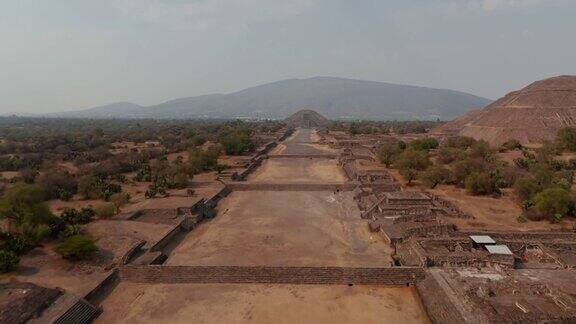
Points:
(439, 252)
(23, 301)
(454, 296)
(307, 119)
(531, 115)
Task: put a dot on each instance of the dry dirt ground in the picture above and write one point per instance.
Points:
(298, 170)
(273, 229)
(284, 228)
(114, 239)
(239, 303)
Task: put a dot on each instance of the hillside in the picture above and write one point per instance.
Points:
(531, 115)
(335, 98)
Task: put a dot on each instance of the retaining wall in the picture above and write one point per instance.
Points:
(98, 293)
(303, 156)
(533, 236)
(271, 275)
(269, 186)
(438, 305)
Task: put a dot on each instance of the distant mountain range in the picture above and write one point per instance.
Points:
(335, 98)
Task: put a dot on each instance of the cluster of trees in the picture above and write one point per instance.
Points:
(545, 186)
(460, 161)
(540, 180)
(236, 141)
(30, 222)
(383, 127)
(36, 147)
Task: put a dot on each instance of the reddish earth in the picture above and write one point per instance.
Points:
(260, 303)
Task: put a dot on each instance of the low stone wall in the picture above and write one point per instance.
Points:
(98, 293)
(303, 156)
(254, 164)
(382, 186)
(532, 236)
(271, 275)
(269, 186)
(133, 252)
(183, 225)
(438, 305)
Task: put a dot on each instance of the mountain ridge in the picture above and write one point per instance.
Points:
(336, 98)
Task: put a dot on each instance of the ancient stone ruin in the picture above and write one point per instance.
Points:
(531, 115)
(307, 119)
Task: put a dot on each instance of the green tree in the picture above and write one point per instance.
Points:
(77, 247)
(410, 162)
(481, 183)
(554, 201)
(236, 142)
(23, 206)
(434, 175)
(388, 152)
(204, 160)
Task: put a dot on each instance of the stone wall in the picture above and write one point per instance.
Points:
(103, 288)
(303, 156)
(271, 275)
(532, 236)
(438, 305)
(287, 186)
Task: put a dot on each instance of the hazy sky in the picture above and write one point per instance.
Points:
(60, 55)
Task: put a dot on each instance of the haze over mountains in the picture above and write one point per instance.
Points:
(335, 98)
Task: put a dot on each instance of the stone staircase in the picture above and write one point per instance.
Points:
(81, 312)
(69, 309)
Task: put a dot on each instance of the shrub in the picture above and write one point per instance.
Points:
(461, 142)
(481, 149)
(462, 169)
(16, 243)
(526, 188)
(105, 210)
(448, 155)
(566, 138)
(92, 187)
(71, 230)
(481, 183)
(77, 247)
(120, 199)
(73, 216)
(521, 219)
(553, 201)
(58, 185)
(511, 145)
(434, 176)
(424, 144)
(8, 261)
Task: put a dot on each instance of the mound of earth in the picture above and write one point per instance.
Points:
(531, 115)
